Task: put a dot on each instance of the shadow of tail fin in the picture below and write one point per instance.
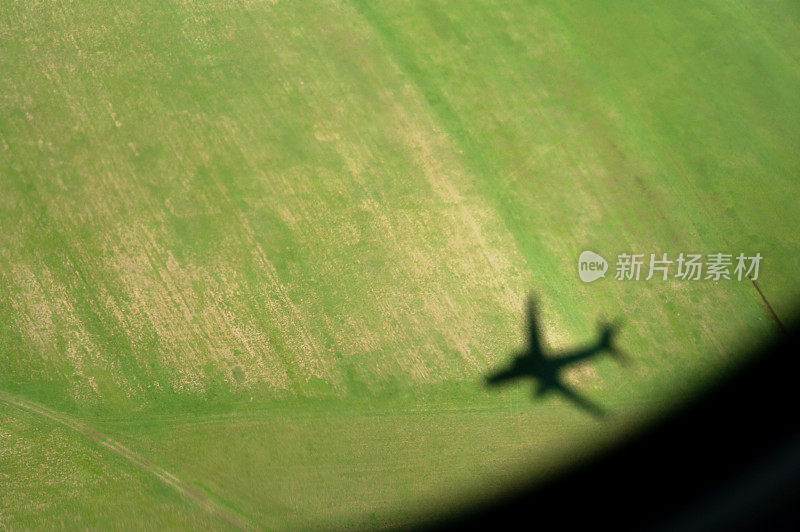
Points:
(607, 333)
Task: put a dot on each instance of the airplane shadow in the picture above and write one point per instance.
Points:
(547, 370)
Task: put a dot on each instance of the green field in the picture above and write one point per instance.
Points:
(256, 257)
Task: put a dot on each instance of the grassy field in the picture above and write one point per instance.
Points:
(257, 256)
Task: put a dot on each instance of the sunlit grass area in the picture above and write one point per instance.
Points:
(273, 248)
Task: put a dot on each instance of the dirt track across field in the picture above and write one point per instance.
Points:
(159, 472)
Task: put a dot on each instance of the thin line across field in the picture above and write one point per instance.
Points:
(138, 460)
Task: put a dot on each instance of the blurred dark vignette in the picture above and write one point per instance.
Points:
(728, 461)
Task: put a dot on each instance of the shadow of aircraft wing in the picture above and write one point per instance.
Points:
(534, 337)
(579, 400)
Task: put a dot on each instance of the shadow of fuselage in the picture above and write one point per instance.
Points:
(547, 370)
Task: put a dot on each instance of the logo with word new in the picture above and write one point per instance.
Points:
(591, 266)
(714, 267)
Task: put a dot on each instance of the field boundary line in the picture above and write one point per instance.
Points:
(772, 312)
(86, 430)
